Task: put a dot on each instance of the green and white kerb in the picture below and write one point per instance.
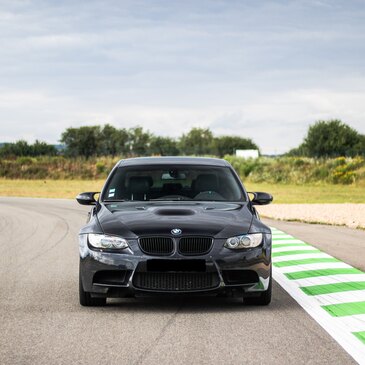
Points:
(331, 291)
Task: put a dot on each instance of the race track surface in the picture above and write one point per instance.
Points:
(41, 321)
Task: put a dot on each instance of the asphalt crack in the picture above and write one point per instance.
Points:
(164, 329)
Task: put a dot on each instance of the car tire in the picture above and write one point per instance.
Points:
(86, 300)
(263, 299)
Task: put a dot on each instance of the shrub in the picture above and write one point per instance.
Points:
(283, 170)
(100, 167)
(24, 160)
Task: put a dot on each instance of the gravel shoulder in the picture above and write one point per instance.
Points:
(350, 215)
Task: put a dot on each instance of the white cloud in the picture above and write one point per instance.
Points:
(258, 118)
(264, 70)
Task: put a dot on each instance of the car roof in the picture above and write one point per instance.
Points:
(168, 160)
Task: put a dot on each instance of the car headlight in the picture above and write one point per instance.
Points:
(244, 241)
(104, 241)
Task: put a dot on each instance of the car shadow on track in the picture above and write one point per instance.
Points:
(196, 304)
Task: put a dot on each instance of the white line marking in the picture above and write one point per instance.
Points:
(319, 266)
(353, 323)
(337, 329)
(340, 328)
(278, 236)
(293, 248)
(301, 256)
(341, 297)
(332, 279)
(283, 242)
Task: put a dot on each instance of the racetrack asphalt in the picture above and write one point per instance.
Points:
(41, 321)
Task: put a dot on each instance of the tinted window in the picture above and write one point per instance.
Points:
(201, 183)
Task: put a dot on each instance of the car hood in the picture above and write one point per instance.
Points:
(135, 219)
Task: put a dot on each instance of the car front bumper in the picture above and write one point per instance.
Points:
(106, 274)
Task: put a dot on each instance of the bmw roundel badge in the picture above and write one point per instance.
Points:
(176, 231)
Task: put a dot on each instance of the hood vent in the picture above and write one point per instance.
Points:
(174, 212)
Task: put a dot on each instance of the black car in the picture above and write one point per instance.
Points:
(174, 225)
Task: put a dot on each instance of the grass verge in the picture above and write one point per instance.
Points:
(311, 193)
(67, 189)
(308, 193)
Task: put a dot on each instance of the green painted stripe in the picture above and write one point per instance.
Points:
(333, 288)
(284, 238)
(296, 252)
(305, 261)
(321, 272)
(345, 309)
(278, 245)
(360, 336)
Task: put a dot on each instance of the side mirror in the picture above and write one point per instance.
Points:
(87, 198)
(260, 198)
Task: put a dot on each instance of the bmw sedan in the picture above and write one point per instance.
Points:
(178, 225)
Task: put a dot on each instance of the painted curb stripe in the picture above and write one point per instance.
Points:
(321, 272)
(345, 309)
(331, 291)
(284, 238)
(360, 336)
(332, 279)
(294, 248)
(316, 266)
(333, 288)
(305, 261)
(302, 256)
(352, 324)
(279, 245)
(340, 297)
(291, 240)
(289, 250)
(297, 252)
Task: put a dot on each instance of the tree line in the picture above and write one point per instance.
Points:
(331, 138)
(89, 141)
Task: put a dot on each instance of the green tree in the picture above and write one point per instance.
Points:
(83, 141)
(330, 138)
(197, 141)
(19, 148)
(227, 145)
(163, 146)
(23, 148)
(113, 141)
(43, 149)
(360, 146)
(139, 141)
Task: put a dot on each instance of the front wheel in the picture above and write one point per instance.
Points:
(86, 300)
(263, 298)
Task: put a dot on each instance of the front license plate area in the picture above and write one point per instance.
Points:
(157, 265)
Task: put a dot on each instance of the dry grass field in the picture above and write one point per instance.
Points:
(283, 194)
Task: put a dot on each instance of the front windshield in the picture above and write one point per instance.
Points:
(170, 183)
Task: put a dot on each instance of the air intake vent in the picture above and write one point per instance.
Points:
(191, 246)
(174, 212)
(178, 281)
(156, 245)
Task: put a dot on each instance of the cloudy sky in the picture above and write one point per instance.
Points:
(258, 69)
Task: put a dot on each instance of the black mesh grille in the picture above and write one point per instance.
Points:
(240, 277)
(179, 281)
(195, 245)
(156, 245)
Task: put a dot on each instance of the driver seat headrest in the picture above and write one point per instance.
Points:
(139, 186)
(206, 182)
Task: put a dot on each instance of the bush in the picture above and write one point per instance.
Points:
(282, 170)
(100, 167)
(24, 161)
